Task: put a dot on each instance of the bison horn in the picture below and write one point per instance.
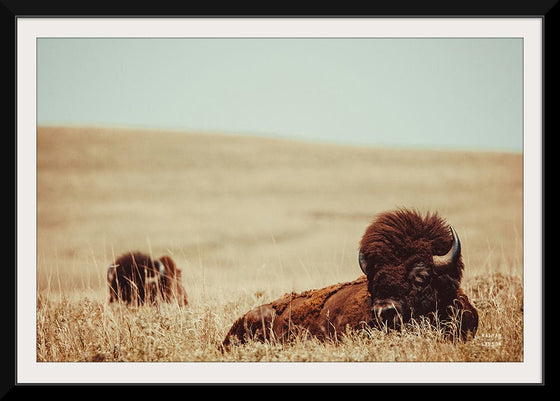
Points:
(161, 267)
(111, 272)
(443, 261)
(362, 260)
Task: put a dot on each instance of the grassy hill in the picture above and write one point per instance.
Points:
(248, 219)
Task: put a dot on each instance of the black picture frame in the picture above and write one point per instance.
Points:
(12, 10)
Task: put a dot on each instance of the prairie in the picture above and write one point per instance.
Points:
(248, 219)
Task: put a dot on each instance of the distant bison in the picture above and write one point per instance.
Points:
(413, 268)
(136, 278)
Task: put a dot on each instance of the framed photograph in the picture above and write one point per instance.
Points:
(271, 200)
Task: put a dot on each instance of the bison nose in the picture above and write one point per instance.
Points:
(386, 313)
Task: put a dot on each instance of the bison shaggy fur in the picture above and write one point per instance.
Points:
(323, 313)
(412, 269)
(137, 278)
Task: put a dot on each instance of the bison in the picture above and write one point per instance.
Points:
(137, 278)
(412, 269)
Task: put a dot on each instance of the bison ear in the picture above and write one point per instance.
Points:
(362, 260)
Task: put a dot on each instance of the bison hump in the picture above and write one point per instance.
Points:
(307, 306)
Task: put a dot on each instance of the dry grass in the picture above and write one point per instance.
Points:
(247, 220)
(91, 330)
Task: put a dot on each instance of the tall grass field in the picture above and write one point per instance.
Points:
(248, 219)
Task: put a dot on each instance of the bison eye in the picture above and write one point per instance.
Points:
(419, 275)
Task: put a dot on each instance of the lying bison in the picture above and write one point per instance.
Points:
(413, 269)
(136, 278)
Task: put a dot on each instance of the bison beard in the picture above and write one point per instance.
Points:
(136, 278)
(413, 269)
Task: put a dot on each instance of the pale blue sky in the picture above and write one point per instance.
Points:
(432, 93)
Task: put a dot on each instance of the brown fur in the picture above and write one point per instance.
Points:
(136, 278)
(324, 313)
(172, 288)
(398, 248)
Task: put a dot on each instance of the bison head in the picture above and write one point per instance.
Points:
(414, 268)
(136, 277)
